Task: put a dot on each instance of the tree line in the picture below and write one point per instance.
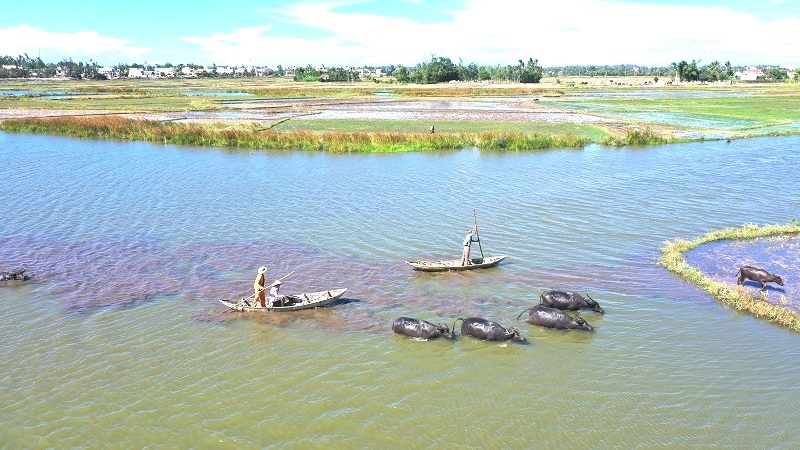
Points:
(441, 70)
(436, 70)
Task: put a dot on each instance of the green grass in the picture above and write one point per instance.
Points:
(673, 258)
(591, 132)
(749, 112)
(144, 102)
(253, 137)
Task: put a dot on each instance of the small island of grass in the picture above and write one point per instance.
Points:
(673, 258)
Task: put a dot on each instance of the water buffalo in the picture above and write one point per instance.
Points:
(420, 328)
(757, 275)
(569, 301)
(553, 318)
(18, 274)
(488, 330)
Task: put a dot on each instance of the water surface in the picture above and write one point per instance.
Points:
(119, 337)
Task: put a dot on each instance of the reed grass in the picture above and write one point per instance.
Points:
(673, 258)
(637, 137)
(116, 127)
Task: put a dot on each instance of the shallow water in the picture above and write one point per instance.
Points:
(120, 337)
(779, 255)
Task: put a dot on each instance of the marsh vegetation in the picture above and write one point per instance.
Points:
(347, 117)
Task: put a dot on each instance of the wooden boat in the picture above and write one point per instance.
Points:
(455, 264)
(292, 302)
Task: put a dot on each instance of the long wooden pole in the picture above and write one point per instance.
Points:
(475, 215)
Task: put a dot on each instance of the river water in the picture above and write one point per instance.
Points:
(119, 337)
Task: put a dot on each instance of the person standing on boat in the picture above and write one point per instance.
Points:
(259, 297)
(468, 240)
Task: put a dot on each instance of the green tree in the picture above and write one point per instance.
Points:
(692, 71)
(680, 70)
(532, 72)
(776, 74)
(728, 72)
(307, 73)
(441, 70)
(401, 74)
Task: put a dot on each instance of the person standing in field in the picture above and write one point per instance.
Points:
(468, 240)
(433, 128)
(260, 294)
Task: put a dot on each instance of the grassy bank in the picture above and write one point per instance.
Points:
(673, 258)
(591, 132)
(220, 135)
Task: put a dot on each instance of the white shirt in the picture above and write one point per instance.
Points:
(468, 240)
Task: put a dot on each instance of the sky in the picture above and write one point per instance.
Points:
(337, 33)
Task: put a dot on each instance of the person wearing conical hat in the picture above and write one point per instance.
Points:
(274, 292)
(258, 286)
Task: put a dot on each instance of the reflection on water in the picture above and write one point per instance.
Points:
(119, 337)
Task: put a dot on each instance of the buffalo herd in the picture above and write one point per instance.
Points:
(549, 313)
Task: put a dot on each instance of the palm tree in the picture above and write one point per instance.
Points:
(680, 70)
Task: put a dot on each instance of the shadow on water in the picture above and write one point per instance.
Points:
(768, 287)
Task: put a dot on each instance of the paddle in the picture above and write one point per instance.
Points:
(475, 215)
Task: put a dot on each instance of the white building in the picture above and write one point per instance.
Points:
(109, 72)
(751, 74)
(165, 72)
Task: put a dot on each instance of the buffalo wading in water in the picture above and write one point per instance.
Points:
(569, 301)
(553, 318)
(488, 330)
(420, 328)
(18, 274)
(758, 275)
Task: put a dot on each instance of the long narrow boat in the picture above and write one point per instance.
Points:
(455, 264)
(292, 302)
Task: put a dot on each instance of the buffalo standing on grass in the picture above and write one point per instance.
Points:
(569, 301)
(420, 328)
(758, 275)
(553, 318)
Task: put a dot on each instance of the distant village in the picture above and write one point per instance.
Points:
(24, 66)
(113, 72)
(192, 71)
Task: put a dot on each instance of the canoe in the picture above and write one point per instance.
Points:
(294, 302)
(455, 264)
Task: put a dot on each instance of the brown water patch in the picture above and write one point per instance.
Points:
(85, 275)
